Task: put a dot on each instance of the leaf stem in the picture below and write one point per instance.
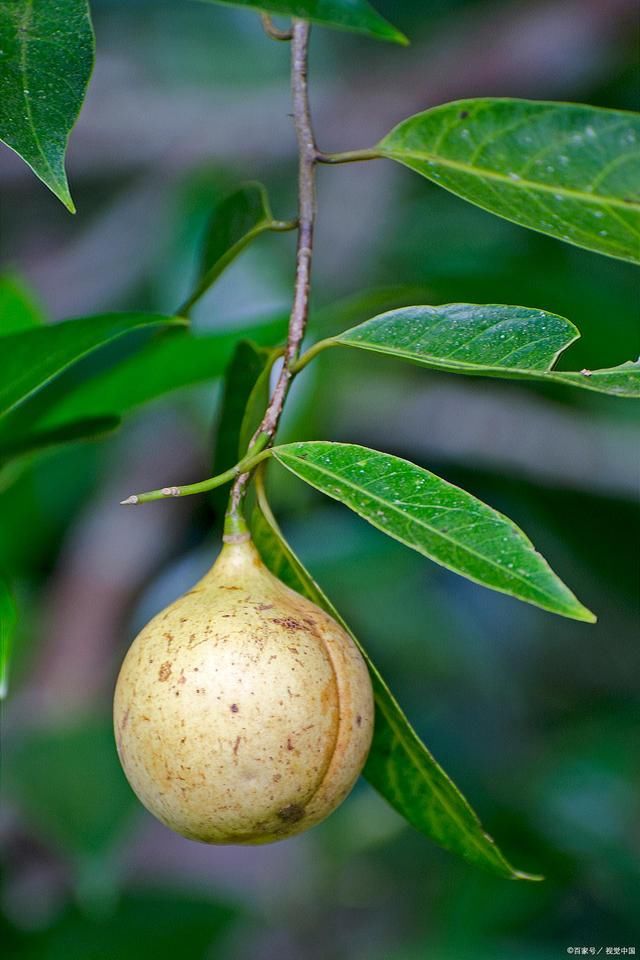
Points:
(308, 157)
(255, 455)
(313, 352)
(275, 33)
(350, 156)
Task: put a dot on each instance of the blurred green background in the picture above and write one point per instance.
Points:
(535, 717)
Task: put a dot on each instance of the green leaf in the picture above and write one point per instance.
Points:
(564, 169)
(244, 401)
(399, 766)
(32, 358)
(489, 340)
(257, 403)
(18, 308)
(8, 621)
(172, 361)
(46, 55)
(91, 428)
(356, 15)
(435, 518)
(237, 220)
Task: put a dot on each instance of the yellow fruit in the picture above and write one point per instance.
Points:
(243, 713)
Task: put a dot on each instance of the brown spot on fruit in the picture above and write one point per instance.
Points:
(234, 708)
(288, 622)
(292, 813)
(165, 671)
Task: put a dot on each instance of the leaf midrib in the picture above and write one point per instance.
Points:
(6, 406)
(470, 551)
(408, 742)
(521, 184)
(24, 22)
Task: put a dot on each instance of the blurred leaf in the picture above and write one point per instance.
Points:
(89, 429)
(18, 309)
(239, 218)
(399, 766)
(8, 621)
(166, 364)
(47, 57)
(435, 518)
(145, 925)
(564, 169)
(257, 403)
(32, 358)
(357, 15)
(70, 786)
(244, 400)
(490, 340)
(246, 395)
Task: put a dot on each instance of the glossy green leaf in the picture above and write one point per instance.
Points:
(18, 307)
(399, 766)
(172, 361)
(357, 15)
(435, 518)
(91, 428)
(238, 219)
(46, 58)
(564, 169)
(31, 359)
(8, 621)
(490, 340)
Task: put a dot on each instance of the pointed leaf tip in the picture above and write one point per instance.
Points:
(43, 83)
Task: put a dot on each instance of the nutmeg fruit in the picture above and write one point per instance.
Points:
(243, 712)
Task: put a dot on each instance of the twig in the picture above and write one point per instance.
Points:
(308, 153)
(255, 455)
